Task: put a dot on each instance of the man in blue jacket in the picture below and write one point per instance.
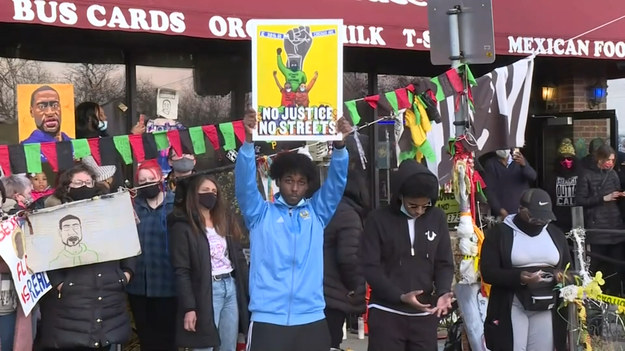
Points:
(286, 237)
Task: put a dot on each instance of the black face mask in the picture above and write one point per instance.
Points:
(149, 192)
(82, 193)
(207, 200)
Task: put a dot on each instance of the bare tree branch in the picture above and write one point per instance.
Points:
(12, 73)
(96, 83)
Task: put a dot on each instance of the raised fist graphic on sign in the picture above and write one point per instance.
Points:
(296, 44)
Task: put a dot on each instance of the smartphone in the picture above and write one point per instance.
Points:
(141, 119)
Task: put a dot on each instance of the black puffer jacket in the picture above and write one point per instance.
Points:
(90, 310)
(342, 269)
(592, 186)
(191, 258)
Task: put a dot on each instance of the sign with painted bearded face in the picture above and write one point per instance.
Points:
(82, 232)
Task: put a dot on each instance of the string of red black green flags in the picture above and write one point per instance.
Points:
(28, 158)
(428, 91)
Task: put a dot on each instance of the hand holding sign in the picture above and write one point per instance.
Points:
(344, 128)
(249, 121)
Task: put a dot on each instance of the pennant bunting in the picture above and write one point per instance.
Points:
(122, 145)
(64, 155)
(5, 161)
(391, 97)
(18, 158)
(455, 80)
(149, 146)
(227, 131)
(197, 139)
(410, 87)
(239, 130)
(161, 140)
(373, 100)
(81, 148)
(136, 144)
(174, 141)
(353, 111)
(211, 134)
(185, 141)
(108, 152)
(94, 145)
(48, 150)
(32, 152)
(402, 99)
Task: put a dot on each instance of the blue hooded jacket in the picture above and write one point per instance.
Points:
(286, 242)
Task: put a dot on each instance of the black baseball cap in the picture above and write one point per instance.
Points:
(538, 203)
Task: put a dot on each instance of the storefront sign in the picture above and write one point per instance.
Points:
(30, 287)
(368, 23)
(297, 79)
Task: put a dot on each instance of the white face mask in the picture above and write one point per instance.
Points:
(302, 89)
(503, 153)
(102, 125)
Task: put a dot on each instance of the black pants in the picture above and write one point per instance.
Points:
(393, 332)
(306, 337)
(335, 320)
(611, 273)
(155, 320)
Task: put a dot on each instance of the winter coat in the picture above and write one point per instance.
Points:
(390, 267)
(286, 280)
(191, 259)
(90, 310)
(497, 270)
(592, 186)
(342, 265)
(506, 184)
(154, 275)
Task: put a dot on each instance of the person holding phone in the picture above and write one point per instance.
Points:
(599, 191)
(507, 176)
(522, 258)
(408, 263)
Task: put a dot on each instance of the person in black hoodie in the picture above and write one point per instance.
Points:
(408, 263)
(563, 184)
(343, 280)
(598, 191)
(521, 259)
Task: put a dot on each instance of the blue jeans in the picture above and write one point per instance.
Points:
(7, 331)
(226, 313)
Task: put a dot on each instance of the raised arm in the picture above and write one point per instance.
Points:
(327, 198)
(285, 71)
(311, 84)
(251, 202)
(275, 77)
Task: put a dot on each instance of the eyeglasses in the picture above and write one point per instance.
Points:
(54, 105)
(80, 183)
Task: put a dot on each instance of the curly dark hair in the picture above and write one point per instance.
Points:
(293, 163)
(62, 190)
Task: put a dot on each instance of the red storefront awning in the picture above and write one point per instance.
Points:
(521, 27)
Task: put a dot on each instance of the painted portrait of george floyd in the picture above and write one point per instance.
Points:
(45, 112)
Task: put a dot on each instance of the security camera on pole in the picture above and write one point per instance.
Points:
(461, 32)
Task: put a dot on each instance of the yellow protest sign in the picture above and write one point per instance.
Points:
(297, 78)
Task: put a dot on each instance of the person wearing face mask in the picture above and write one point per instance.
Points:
(562, 184)
(152, 292)
(507, 176)
(181, 166)
(91, 121)
(19, 193)
(210, 267)
(86, 309)
(301, 95)
(523, 259)
(408, 263)
(598, 191)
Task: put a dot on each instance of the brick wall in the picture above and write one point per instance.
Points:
(572, 94)
(589, 129)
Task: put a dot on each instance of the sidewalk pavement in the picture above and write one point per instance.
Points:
(356, 344)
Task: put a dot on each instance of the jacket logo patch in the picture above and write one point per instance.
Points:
(430, 235)
(280, 220)
(304, 214)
